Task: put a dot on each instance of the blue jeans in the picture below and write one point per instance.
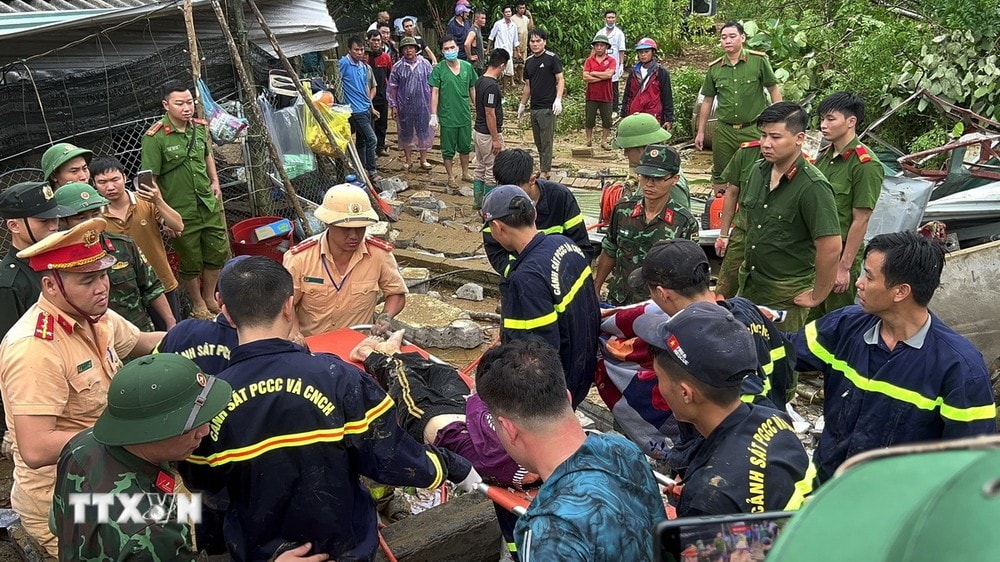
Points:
(361, 125)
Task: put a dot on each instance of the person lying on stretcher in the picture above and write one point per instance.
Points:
(436, 406)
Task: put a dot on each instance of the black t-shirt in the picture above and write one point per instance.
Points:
(487, 95)
(541, 71)
(750, 463)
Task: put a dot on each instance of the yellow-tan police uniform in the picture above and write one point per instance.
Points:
(52, 364)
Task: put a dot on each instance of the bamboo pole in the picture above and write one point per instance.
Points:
(355, 158)
(255, 108)
(193, 52)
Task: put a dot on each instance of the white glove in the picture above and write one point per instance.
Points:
(434, 121)
(557, 106)
(470, 482)
(520, 111)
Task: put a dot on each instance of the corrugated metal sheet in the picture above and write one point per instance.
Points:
(21, 7)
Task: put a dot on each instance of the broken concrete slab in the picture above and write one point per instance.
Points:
(428, 216)
(416, 279)
(431, 323)
(470, 292)
(380, 229)
(466, 191)
(464, 528)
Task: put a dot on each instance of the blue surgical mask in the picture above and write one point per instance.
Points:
(453, 55)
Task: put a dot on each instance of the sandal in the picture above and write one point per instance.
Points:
(605, 146)
(408, 167)
(426, 165)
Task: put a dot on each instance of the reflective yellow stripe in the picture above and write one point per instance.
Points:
(560, 228)
(573, 221)
(969, 414)
(560, 307)
(557, 229)
(512, 547)
(330, 435)
(776, 354)
(803, 488)
(438, 471)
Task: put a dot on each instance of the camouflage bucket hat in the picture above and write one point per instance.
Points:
(157, 397)
(59, 154)
(80, 197)
(639, 129)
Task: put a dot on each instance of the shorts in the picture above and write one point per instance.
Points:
(455, 139)
(590, 114)
(204, 244)
(726, 141)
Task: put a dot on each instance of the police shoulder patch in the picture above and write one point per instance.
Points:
(305, 244)
(379, 243)
(716, 61)
(750, 144)
(862, 152)
(199, 121)
(758, 53)
(43, 328)
(156, 127)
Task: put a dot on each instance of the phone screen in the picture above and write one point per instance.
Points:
(145, 177)
(728, 538)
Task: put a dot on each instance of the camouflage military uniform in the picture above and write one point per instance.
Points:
(134, 284)
(680, 195)
(630, 237)
(87, 466)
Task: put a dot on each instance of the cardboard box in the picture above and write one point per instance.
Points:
(276, 228)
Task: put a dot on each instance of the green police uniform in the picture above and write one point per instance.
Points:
(739, 93)
(98, 461)
(736, 173)
(856, 175)
(783, 224)
(134, 284)
(630, 237)
(178, 160)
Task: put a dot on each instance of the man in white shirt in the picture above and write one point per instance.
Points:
(504, 35)
(616, 51)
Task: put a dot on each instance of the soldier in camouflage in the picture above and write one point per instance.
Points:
(639, 222)
(635, 133)
(134, 284)
(127, 453)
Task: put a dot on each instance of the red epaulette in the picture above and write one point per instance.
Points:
(750, 144)
(379, 243)
(790, 174)
(637, 210)
(199, 121)
(61, 320)
(862, 153)
(156, 127)
(305, 244)
(668, 216)
(43, 328)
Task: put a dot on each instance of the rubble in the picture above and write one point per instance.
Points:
(466, 191)
(416, 279)
(470, 292)
(425, 200)
(431, 323)
(428, 216)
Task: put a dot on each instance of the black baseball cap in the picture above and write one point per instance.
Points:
(503, 201)
(32, 199)
(707, 340)
(671, 264)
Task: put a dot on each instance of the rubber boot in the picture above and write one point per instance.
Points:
(488, 189)
(478, 192)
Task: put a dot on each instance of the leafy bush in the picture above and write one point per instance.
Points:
(686, 83)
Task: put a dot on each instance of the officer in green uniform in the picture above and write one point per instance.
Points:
(793, 237)
(635, 133)
(30, 212)
(639, 222)
(159, 408)
(730, 244)
(64, 162)
(134, 284)
(737, 80)
(178, 151)
(856, 175)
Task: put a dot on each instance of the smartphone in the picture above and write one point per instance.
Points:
(743, 536)
(145, 177)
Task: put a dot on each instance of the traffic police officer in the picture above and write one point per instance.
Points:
(549, 291)
(637, 223)
(134, 285)
(339, 273)
(57, 361)
(738, 79)
(158, 411)
(64, 162)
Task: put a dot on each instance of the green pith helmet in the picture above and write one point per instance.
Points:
(80, 197)
(639, 129)
(157, 397)
(59, 154)
(601, 38)
(408, 42)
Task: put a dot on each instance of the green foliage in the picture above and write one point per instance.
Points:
(959, 67)
(686, 83)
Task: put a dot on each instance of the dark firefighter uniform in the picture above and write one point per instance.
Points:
(556, 212)
(550, 294)
(932, 386)
(208, 343)
(291, 444)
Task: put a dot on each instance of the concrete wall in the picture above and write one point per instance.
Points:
(969, 299)
(463, 529)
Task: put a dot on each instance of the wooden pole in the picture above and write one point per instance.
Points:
(193, 51)
(355, 158)
(255, 108)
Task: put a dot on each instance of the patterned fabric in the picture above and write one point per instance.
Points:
(630, 237)
(409, 93)
(134, 284)
(86, 466)
(599, 505)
